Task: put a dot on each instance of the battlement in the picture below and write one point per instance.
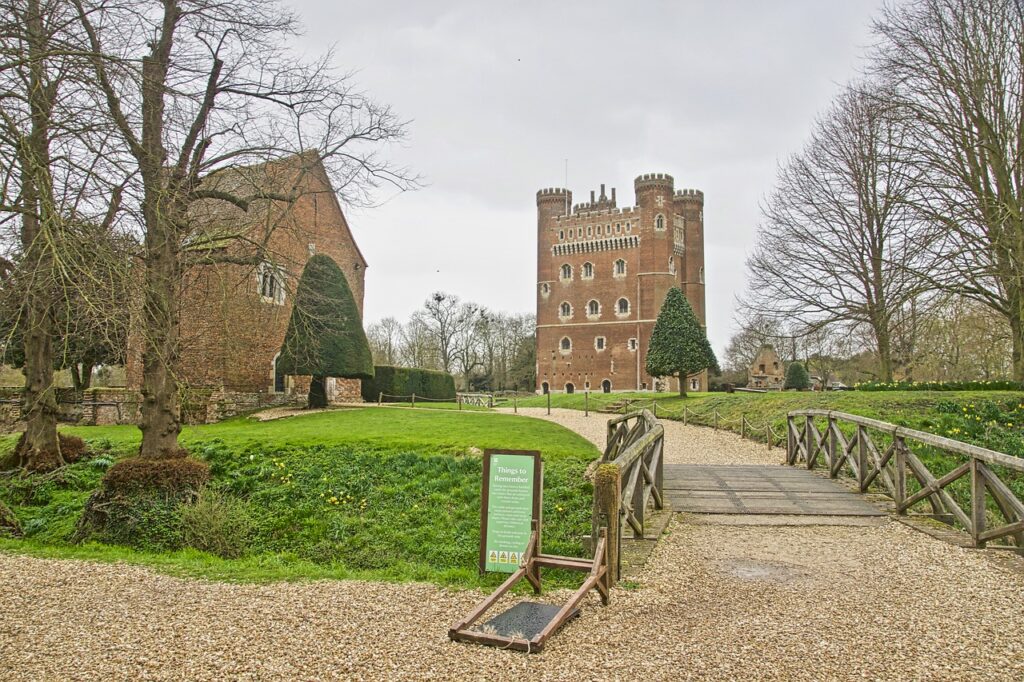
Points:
(584, 213)
(551, 193)
(651, 180)
(689, 195)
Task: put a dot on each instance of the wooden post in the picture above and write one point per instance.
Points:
(607, 492)
(380, 398)
(655, 409)
(812, 455)
(515, 404)
(977, 502)
(685, 410)
(549, 401)
(901, 474)
(743, 425)
(460, 402)
(862, 458)
(716, 420)
(768, 434)
(830, 445)
(414, 400)
(586, 404)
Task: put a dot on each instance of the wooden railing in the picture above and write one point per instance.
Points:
(635, 445)
(877, 453)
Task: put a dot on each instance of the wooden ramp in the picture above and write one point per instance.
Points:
(747, 489)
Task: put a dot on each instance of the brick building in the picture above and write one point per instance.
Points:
(602, 275)
(767, 371)
(234, 315)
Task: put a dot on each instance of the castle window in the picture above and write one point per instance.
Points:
(659, 222)
(671, 265)
(623, 306)
(545, 289)
(271, 283)
(620, 267)
(590, 231)
(629, 227)
(565, 310)
(700, 275)
(565, 344)
(631, 344)
(607, 229)
(579, 231)
(618, 229)
(593, 308)
(588, 271)
(566, 271)
(561, 235)
(599, 343)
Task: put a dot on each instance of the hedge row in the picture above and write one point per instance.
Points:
(405, 381)
(940, 386)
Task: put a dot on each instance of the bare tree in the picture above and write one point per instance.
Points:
(53, 171)
(448, 321)
(838, 243)
(195, 87)
(385, 339)
(956, 70)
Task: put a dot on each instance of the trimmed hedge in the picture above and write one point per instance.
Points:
(940, 386)
(402, 382)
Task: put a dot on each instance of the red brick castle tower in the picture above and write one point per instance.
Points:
(602, 276)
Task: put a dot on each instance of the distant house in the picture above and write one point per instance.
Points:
(767, 372)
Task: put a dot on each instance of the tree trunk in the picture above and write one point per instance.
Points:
(1016, 331)
(39, 450)
(86, 376)
(317, 393)
(682, 386)
(884, 353)
(76, 379)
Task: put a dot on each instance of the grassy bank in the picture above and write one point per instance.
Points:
(374, 493)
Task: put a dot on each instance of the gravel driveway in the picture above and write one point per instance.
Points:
(714, 602)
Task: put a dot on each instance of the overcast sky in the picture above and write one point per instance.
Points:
(499, 95)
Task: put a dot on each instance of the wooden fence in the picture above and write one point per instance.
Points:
(629, 476)
(972, 494)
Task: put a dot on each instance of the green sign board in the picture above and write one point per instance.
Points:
(510, 505)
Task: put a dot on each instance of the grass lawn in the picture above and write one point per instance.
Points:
(385, 494)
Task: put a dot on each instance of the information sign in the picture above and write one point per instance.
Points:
(511, 503)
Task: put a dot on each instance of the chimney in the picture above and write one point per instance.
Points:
(613, 195)
(602, 192)
(591, 196)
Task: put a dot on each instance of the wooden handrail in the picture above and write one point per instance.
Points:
(870, 464)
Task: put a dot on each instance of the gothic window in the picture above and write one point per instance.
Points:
(279, 384)
(599, 343)
(565, 310)
(588, 271)
(620, 267)
(623, 306)
(566, 344)
(631, 344)
(545, 289)
(566, 271)
(271, 283)
(659, 222)
(593, 308)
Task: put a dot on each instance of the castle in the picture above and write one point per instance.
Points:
(602, 276)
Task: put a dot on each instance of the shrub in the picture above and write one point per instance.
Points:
(178, 474)
(999, 385)
(143, 520)
(217, 523)
(401, 382)
(796, 377)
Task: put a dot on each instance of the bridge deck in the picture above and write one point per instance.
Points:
(746, 489)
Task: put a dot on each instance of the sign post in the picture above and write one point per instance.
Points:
(511, 503)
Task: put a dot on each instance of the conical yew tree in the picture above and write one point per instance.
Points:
(325, 336)
(679, 347)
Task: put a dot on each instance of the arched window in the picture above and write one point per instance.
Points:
(623, 306)
(566, 343)
(588, 271)
(271, 283)
(659, 222)
(606, 386)
(545, 289)
(279, 384)
(671, 265)
(565, 310)
(593, 308)
(545, 388)
(569, 388)
(561, 234)
(566, 271)
(620, 267)
(700, 277)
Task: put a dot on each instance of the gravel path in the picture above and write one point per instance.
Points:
(683, 444)
(714, 602)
